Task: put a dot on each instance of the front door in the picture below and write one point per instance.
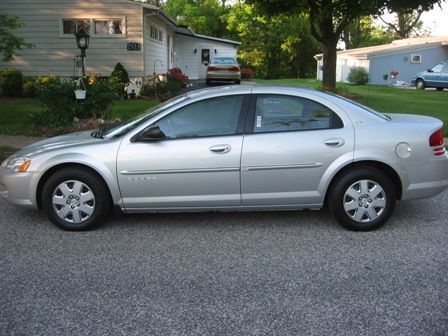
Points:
(293, 142)
(197, 166)
(205, 61)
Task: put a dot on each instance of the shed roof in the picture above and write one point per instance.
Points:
(410, 44)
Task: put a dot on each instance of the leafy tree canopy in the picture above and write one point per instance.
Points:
(9, 41)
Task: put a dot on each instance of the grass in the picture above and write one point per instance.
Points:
(387, 99)
(15, 113)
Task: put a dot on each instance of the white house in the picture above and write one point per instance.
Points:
(407, 57)
(139, 35)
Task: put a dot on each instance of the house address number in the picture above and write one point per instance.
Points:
(134, 46)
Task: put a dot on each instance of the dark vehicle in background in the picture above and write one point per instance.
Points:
(224, 69)
(435, 77)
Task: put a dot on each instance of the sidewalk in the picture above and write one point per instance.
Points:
(17, 141)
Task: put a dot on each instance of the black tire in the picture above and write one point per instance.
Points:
(362, 199)
(238, 82)
(439, 89)
(207, 82)
(420, 84)
(75, 199)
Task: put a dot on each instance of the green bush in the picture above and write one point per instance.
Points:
(11, 82)
(29, 87)
(119, 77)
(358, 76)
(59, 106)
(32, 85)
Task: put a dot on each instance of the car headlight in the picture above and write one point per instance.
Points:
(18, 164)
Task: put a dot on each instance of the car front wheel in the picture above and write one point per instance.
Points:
(363, 199)
(420, 84)
(75, 199)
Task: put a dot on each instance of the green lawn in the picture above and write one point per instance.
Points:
(15, 113)
(387, 99)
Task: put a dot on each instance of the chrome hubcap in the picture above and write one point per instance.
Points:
(73, 201)
(364, 201)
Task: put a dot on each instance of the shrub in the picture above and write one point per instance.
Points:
(29, 87)
(58, 105)
(11, 82)
(119, 77)
(358, 76)
(177, 74)
(246, 73)
(32, 85)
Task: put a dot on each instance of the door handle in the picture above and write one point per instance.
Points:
(220, 149)
(334, 142)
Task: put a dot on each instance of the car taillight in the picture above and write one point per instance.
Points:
(436, 140)
(212, 68)
(235, 68)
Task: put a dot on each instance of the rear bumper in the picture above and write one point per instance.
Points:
(223, 76)
(427, 180)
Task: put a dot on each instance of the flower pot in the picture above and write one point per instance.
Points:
(80, 94)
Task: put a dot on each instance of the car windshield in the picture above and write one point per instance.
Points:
(224, 61)
(124, 127)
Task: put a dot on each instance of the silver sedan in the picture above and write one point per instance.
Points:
(235, 148)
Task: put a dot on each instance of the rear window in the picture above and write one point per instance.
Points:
(224, 60)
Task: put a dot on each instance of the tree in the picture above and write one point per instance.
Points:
(9, 41)
(329, 18)
(406, 23)
(362, 32)
(202, 16)
(273, 46)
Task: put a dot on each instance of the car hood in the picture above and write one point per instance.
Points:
(58, 142)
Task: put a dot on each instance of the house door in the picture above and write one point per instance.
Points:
(205, 60)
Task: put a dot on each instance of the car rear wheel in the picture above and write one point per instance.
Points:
(75, 199)
(439, 89)
(420, 84)
(363, 199)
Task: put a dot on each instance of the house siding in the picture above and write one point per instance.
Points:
(54, 54)
(190, 62)
(401, 62)
(155, 50)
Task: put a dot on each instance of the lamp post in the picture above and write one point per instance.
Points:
(82, 40)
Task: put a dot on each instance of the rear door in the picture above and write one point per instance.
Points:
(289, 149)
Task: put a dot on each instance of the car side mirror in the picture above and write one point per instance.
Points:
(150, 134)
(429, 70)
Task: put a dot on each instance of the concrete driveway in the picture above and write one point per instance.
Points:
(270, 273)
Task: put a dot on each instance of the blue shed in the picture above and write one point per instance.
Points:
(406, 57)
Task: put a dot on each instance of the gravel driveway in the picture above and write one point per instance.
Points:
(271, 273)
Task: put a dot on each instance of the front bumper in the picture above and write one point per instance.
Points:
(17, 188)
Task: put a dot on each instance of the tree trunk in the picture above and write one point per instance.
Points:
(329, 67)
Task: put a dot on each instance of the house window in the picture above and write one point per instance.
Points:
(109, 26)
(415, 58)
(94, 27)
(72, 26)
(156, 33)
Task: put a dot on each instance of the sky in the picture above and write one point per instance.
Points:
(437, 20)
